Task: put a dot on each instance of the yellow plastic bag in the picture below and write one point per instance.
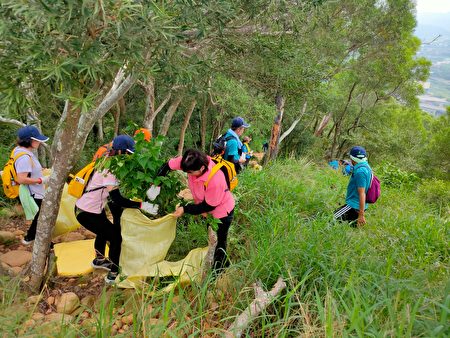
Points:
(66, 221)
(145, 244)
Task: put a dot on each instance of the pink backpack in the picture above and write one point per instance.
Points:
(374, 190)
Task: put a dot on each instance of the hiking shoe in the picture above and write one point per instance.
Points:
(104, 264)
(110, 278)
(27, 241)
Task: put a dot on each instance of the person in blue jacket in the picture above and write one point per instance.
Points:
(233, 150)
(347, 167)
(355, 202)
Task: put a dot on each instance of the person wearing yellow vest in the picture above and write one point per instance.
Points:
(246, 151)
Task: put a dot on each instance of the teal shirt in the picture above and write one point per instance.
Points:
(232, 149)
(362, 173)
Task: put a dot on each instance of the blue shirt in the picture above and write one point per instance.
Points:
(362, 173)
(233, 148)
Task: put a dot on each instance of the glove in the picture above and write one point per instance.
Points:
(150, 208)
(44, 179)
(153, 192)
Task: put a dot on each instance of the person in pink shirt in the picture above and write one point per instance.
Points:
(215, 199)
(90, 211)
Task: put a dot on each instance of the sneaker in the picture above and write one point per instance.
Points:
(110, 278)
(26, 241)
(104, 264)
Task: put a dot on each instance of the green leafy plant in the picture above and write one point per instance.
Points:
(137, 172)
(390, 175)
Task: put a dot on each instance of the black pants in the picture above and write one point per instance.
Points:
(31, 233)
(105, 231)
(346, 213)
(220, 254)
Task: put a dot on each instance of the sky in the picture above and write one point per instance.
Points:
(433, 6)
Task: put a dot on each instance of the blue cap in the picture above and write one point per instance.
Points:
(31, 133)
(358, 152)
(124, 143)
(239, 122)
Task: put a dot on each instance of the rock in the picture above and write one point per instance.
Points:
(58, 317)
(7, 237)
(34, 299)
(72, 236)
(16, 257)
(67, 303)
(51, 300)
(29, 323)
(18, 232)
(127, 320)
(89, 234)
(37, 316)
(16, 270)
(88, 301)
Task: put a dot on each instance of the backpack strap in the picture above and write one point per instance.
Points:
(14, 158)
(214, 171)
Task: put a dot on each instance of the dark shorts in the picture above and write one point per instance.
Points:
(346, 213)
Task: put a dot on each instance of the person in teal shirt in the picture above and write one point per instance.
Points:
(233, 149)
(355, 202)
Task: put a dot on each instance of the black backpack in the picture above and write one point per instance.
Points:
(220, 144)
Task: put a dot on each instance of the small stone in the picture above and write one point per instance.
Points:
(7, 237)
(72, 236)
(16, 270)
(58, 317)
(29, 323)
(88, 301)
(16, 257)
(67, 303)
(51, 300)
(19, 232)
(34, 299)
(37, 316)
(127, 319)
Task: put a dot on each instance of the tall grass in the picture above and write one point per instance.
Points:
(389, 278)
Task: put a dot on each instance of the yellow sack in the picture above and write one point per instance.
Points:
(145, 244)
(66, 221)
(75, 258)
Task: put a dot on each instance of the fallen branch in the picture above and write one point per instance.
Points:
(261, 301)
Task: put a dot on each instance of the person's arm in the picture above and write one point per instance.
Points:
(22, 178)
(193, 209)
(117, 198)
(362, 204)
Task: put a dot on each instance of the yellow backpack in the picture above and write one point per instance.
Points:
(80, 180)
(228, 169)
(9, 176)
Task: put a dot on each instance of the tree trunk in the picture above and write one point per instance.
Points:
(203, 121)
(291, 128)
(116, 114)
(100, 135)
(185, 125)
(69, 139)
(276, 129)
(165, 124)
(338, 124)
(319, 130)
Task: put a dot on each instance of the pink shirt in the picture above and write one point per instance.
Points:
(216, 194)
(95, 201)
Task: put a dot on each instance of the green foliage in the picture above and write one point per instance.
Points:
(391, 175)
(436, 193)
(137, 172)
